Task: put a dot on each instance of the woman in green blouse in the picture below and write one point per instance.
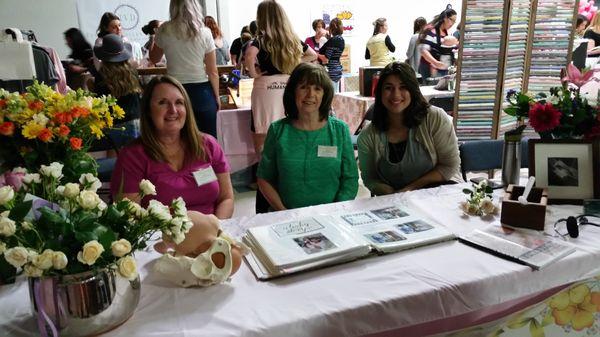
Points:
(308, 158)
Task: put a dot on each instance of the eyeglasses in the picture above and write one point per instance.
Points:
(572, 225)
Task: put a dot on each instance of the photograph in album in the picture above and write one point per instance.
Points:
(309, 243)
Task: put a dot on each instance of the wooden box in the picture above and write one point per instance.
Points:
(532, 215)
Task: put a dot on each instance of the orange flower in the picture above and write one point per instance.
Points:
(45, 135)
(36, 105)
(64, 130)
(7, 129)
(63, 118)
(75, 143)
(77, 112)
(596, 300)
(2, 103)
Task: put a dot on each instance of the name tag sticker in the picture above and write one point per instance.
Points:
(205, 176)
(327, 151)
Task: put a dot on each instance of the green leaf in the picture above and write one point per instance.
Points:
(53, 222)
(106, 238)
(512, 111)
(536, 329)
(84, 237)
(519, 323)
(18, 212)
(488, 190)
(467, 191)
(7, 272)
(112, 215)
(548, 319)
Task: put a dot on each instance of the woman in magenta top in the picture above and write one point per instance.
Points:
(177, 158)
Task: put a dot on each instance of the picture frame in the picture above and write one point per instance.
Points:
(568, 168)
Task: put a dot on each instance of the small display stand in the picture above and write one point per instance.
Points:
(532, 215)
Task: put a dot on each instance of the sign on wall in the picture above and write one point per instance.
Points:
(343, 12)
(134, 14)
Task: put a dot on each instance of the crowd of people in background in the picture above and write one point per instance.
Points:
(171, 121)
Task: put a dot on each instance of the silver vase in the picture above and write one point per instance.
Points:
(511, 162)
(83, 304)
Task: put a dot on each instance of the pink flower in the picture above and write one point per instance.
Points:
(576, 77)
(14, 179)
(544, 117)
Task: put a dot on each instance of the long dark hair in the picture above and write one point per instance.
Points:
(80, 48)
(416, 111)
(438, 20)
(419, 24)
(105, 21)
(150, 28)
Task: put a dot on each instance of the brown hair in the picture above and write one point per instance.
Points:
(336, 27)
(191, 136)
(416, 111)
(120, 78)
(308, 73)
(316, 22)
(377, 25)
(105, 20)
(211, 23)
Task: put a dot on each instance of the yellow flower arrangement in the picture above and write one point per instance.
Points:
(575, 307)
(41, 126)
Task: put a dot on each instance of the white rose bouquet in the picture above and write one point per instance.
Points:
(479, 200)
(51, 229)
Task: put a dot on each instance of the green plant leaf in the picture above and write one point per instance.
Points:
(467, 191)
(7, 272)
(519, 323)
(84, 237)
(106, 237)
(536, 329)
(20, 210)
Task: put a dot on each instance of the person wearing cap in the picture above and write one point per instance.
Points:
(118, 78)
(191, 58)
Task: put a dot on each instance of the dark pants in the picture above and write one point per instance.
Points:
(204, 105)
(425, 71)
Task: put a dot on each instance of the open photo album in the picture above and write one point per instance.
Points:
(309, 243)
(520, 245)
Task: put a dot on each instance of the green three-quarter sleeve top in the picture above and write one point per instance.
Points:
(310, 167)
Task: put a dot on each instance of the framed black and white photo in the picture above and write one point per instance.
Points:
(568, 168)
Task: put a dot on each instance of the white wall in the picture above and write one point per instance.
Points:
(400, 16)
(50, 18)
(47, 18)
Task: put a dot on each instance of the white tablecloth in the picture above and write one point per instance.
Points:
(369, 296)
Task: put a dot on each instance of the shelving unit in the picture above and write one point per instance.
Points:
(507, 45)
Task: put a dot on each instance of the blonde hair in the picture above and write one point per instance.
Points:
(595, 22)
(277, 37)
(120, 78)
(186, 18)
(190, 135)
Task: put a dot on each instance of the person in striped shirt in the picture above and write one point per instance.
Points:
(431, 44)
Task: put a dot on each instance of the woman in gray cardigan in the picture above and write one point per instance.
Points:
(410, 144)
